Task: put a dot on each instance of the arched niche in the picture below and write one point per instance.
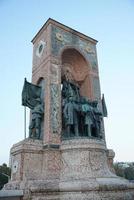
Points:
(77, 69)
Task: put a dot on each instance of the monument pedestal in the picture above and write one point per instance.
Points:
(77, 169)
(85, 173)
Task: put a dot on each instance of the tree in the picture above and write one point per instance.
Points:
(119, 170)
(129, 173)
(5, 172)
(125, 170)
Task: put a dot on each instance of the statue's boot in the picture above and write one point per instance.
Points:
(76, 130)
(68, 131)
(37, 133)
(89, 131)
(30, 133)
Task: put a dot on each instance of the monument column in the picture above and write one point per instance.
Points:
(48, 67)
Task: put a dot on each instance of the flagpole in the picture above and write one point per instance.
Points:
(24, 122)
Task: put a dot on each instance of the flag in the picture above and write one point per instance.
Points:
(104, 108)
(30, 94)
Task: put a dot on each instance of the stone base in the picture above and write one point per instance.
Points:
(76, 170)
(92, 189)
(11, 194)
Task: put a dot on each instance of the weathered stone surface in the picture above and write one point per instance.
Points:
(110, 156)
(55, 108)
(96, 88)
(13, 193)
(70, 39)
(76, 170)
(83, 159)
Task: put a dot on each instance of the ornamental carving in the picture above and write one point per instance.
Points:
(88, 49)
(55, 108)
(59, 36)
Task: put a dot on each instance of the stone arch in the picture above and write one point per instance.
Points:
(67, 47)
(76, 68)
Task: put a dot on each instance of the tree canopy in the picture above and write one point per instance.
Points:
(5, 173)
(125, 170)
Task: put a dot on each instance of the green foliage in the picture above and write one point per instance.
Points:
(4, 170)
(129, 173)
(125, 170)
(119, 170)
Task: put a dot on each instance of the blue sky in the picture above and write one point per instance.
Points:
(110, 22)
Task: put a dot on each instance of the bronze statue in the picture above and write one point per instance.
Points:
(81, 117)
(70, 116)
(31, 97)
(35, 125)
(87, 112)
(70, 89)
(97, 118)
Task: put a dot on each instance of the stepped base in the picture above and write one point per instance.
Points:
(93, 189)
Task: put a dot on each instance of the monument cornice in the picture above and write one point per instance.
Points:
(66, 28)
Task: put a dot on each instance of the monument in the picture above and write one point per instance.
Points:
(65, 155)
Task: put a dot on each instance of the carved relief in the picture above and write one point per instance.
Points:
(54, 73)
(55, 108)
(89, 49)
(59, 37)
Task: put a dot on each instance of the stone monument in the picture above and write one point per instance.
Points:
(65, 156)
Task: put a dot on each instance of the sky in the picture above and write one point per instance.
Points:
(109, 22)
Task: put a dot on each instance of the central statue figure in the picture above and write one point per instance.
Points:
(70, 107)
(70, 113)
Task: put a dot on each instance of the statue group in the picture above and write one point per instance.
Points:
(80, 116)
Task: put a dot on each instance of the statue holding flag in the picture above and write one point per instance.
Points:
(31, 97)
(35, 125)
